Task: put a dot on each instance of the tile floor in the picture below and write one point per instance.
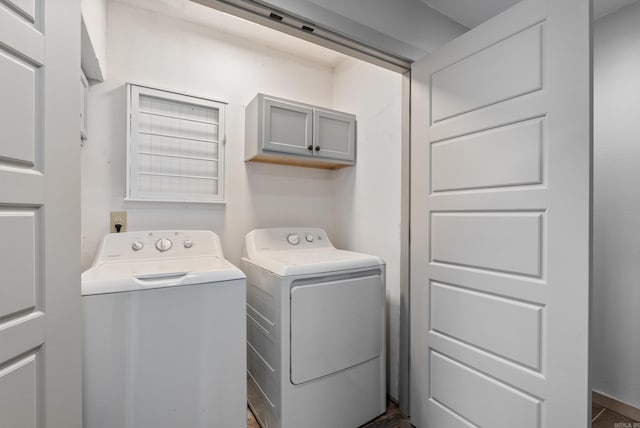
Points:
(605, 418)
(394, 418)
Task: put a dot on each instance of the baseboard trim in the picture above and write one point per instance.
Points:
(617, 406)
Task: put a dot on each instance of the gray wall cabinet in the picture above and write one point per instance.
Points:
(291, 133)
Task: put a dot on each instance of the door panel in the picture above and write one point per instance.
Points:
(516, 69)
(335, 325)
(19, 284)
(470, 394)
(40, 359)
(287, 127)
(19, 393)
(500, 223)
(334, 134)
(506, 156)
(22, 36)
(508, 328)
(17, 117)
(499, 241)
(25, 7)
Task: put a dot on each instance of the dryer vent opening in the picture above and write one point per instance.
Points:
(275, 16)
(308, 29)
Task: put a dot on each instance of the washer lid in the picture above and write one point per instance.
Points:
(115, 277)
(141, 260)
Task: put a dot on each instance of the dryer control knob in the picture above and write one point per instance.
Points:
(163, 244)
(137, 246)
(188, 243)
(293, 239)
(309, 237)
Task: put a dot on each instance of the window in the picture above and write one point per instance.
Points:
(175, 147)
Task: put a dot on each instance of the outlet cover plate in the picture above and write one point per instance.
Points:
(118, 217)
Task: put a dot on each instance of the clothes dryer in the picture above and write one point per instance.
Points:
(315, 331)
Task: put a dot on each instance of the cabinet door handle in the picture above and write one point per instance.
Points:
(310, 147)
(317, 148)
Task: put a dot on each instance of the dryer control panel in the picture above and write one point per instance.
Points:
(288, 238)
(289, 251)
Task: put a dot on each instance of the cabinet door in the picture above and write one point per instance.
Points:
(334, 135)
(286, 127)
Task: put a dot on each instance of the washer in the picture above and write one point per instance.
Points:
(164, 333)
(315, 331)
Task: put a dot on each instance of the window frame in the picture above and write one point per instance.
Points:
(133, 192)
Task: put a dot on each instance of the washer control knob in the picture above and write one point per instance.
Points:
(163, 244)
(293, 239)
(137, 246)
(309, 237)
(188, 243)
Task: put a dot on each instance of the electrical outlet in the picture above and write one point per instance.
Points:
(118, 217)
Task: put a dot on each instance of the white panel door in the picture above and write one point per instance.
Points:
(40, 356)
(500, 223)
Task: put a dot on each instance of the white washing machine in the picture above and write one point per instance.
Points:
(164, 333)
(315, 331)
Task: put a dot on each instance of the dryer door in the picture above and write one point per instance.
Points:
(335, 325)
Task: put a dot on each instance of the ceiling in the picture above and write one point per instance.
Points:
(405, 28)
(470, 13)
(393, 33)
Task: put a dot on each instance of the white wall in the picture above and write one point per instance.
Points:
(368, 195)
(616, 278)
(358, 206)
(153, 49)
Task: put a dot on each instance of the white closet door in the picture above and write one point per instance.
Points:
(500, 223)
(40, 356)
